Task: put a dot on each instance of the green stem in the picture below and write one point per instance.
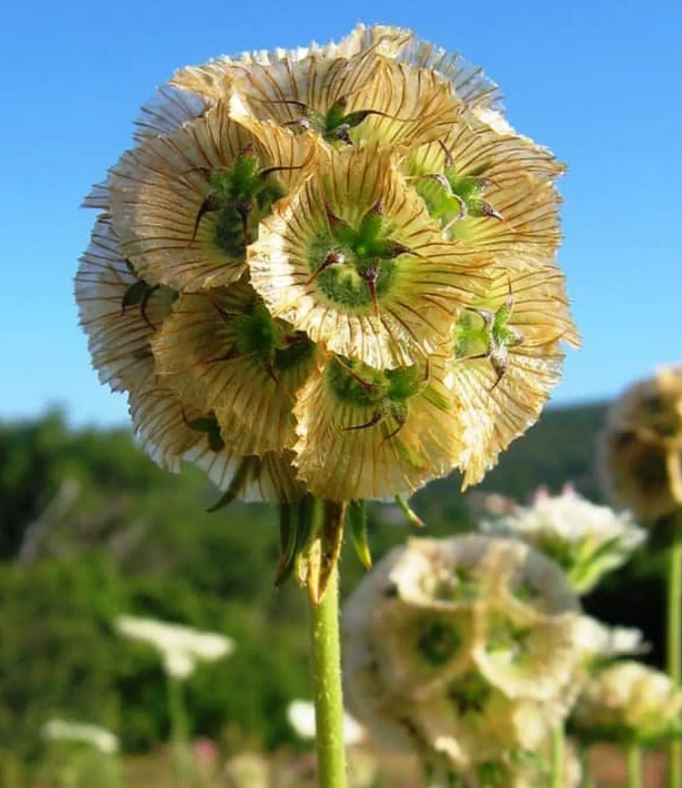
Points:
(587, 778)
(634, 754)
(674, 646)
(558, 746)
(179, 732)
(326, 674)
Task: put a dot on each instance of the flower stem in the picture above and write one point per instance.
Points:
(634, 754)
(558, 746)
(179, 732)
(674, 645)
(587, 778)
(326, 675)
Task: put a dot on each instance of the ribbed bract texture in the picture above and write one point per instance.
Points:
(328, 269)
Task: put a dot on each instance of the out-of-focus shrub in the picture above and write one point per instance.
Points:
(60, 656)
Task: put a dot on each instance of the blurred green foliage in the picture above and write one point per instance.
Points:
(90, 528)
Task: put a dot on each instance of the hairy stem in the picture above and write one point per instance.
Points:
(326, 675)
(179, 733)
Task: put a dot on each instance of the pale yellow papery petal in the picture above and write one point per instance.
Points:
(98, 197)
(317, 82)
(213, 80)
(632, 700)
(118, 336)
(430, 286)
(196, 355)
(418, 106)
(491, 733)
(304, 73)
(544, 668)
(166, 112)
(409, 105)
(488, 590)
(339, 459)
(157, 191)
(519, 178)
(495, 413)
(161, 423)
(469, 83)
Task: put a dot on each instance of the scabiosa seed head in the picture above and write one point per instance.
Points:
(328, 271)
(465, 649)
(641, 447)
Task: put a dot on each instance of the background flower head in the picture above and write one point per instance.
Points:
(464, 649)
(586, 540)
(641, 447)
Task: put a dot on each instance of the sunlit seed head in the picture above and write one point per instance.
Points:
(386, 218)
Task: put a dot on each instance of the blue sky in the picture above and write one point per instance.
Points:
(597, 82)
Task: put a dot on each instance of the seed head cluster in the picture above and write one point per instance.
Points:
(469, 651)
(330, 269)
(641, 447)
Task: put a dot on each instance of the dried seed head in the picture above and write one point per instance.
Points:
(465, 649)
(641, 447)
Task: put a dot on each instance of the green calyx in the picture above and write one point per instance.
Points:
(334, 125)
(469, 188)
(469, 694)
(452, 196)
(258, 333)
(356, 267)
(493, 774)
(438, 642)
(241, 196)
(355, 383)
(481, 331)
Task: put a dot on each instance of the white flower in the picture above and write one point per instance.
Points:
(301, 716)
(63, 730)
(586, 540)
(180, 647)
